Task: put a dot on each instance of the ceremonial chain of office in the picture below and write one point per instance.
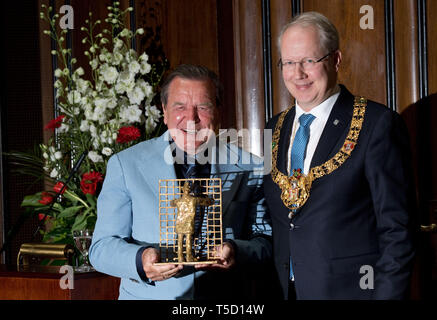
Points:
(296, 187)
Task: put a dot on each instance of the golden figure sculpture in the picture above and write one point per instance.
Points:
(186, 206)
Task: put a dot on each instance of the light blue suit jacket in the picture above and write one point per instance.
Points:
(128, 218)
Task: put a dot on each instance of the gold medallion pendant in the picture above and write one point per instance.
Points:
(295, 189)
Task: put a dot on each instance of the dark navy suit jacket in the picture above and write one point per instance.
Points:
(359, 215)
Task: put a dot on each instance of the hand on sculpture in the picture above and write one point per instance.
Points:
(158, 272)
(226, 258)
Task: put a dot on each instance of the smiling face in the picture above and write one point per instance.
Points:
(308, 87)
(190, 113)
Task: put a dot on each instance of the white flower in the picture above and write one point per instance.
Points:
(58, 84)
(84, 126)
(109, 74)
(152, 118)
(81, 85)
(54, 173)
(134, 67)
(63, 128)
(130, 114)
(89, 114)
(136, 96)
(74, 97)
(148, 90)
(153, 112)
(101, 102)
(45, 155)
(94, 64)
(131, 55)
(58, 73)
(93, 130)
(95, 157)
(150, 125)
(107, 151)
(144, 57)
(105, 57)
(126, 77)
(96, 143)
(79, 71)
(117, 57)
(145, 67)
(124, 33)
(118, 43)
(111, 104)
(58, 155)
(99, 114)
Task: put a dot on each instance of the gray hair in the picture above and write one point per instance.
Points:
(192, 72)
(329, 38)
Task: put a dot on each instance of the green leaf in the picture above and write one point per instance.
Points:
(91, 199)
(69, 212)
(58, 207)
(70, 197)
(79, 223)
(32, 200)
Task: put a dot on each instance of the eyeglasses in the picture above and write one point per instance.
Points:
(307, 64)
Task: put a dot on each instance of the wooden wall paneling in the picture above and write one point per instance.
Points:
(191, 32)
(363, 67)
(185, 32)
(82, 8)
(47, 93)
(21, 113)
(431, 11)
(280, 16)
(406, 53)
(225, 30)
(248, 72)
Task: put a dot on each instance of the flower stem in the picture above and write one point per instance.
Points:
(77, 198)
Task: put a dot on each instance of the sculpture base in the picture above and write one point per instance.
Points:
(186, 263)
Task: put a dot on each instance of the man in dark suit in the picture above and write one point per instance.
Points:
(340, 191)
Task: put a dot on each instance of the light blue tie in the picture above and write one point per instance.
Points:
(298, 151)
(300, 142)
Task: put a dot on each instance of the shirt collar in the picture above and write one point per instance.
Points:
(321, 111)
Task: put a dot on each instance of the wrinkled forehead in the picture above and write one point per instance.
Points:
(195, 88)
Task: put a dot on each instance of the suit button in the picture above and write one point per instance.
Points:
(291, 226)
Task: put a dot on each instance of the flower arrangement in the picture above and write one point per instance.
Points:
(98, 116)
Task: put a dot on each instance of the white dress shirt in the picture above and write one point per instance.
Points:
(321, 112)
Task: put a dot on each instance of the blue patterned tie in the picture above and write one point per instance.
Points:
(298, 151)
(300, 142)
(192, 171)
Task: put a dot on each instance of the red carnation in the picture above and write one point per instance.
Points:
(46, 198)
(58, 186)
(55, 123)
(42, 216)
(128, 134)
(89, 182)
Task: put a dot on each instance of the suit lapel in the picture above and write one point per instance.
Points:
(284, 141)
(229, 172)
(337, 125)
(157, 163)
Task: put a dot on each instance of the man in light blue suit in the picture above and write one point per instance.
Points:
(126, 236)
